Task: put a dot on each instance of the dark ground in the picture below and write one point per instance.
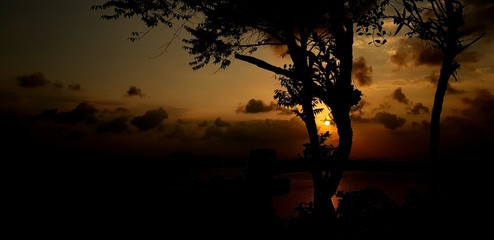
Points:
(110, 199)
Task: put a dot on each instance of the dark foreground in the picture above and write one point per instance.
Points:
(123, 200)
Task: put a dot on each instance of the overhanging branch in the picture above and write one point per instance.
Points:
(264, 65)
(316, 90)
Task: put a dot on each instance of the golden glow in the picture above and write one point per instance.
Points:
(327, 121)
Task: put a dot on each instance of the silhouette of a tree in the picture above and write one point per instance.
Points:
(441, 24)
(316, 35)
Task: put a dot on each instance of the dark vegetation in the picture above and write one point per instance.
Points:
(120, 198)
(134, 198)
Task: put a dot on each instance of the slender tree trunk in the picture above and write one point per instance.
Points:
(454, 19)
(442, 85)
(440, 198)
(451, 50)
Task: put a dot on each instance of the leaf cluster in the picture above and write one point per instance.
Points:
(439, 23)
(222, 30)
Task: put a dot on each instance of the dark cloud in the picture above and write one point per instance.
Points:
(152, 119)
(259, 131)
(414, 52)
(258, 106)
(481, 104)
(112, 136)
(121, 110)
(179, 132)
(48, 115)
(454, 91)
(58, 84)
(428, 56)
(389, 120)
(134, 91)
(104, 121)
(418, 108)
(116, 113)
(34, 80)
(218, 122)
(399, 96)
(468, 57)
(114, 121)
(237, 136)
(383, 105)
(84, 112)
(424, 125)
(478, 18)
(9, 96)
(362, 72)
(359, 118)
(283, 111)
(470, 131)
(203, 124)
(434, 78)
(213, 132)
(365, 108)
(74, 87)
(116, 125)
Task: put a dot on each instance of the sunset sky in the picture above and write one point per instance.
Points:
(71, 80)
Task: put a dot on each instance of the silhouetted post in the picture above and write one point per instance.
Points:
(259, 176)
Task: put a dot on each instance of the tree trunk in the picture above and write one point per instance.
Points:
(340, 107)
(442, 85)
(324, 212)
(454, 19)
(326, 185)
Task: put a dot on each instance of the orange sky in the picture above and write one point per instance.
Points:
(72, 81)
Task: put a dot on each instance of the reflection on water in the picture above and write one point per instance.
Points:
(394, 184)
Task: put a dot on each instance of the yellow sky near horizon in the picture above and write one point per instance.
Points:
(83, 59)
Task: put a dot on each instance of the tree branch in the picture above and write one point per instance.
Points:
(264, 65)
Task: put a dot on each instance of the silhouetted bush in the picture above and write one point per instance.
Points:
(364, 210)
(371, 213)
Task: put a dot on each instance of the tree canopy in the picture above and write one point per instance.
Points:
(315, 35)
